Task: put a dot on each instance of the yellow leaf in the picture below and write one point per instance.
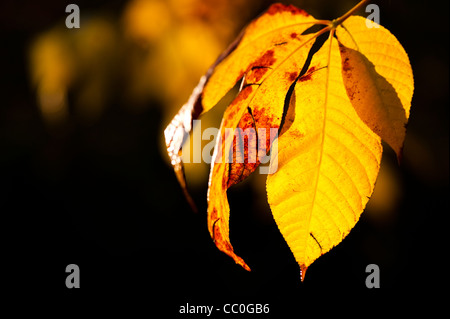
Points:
(378, 78)
(328, 161)
(331, 109)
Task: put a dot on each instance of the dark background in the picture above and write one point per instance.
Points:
(101, 194)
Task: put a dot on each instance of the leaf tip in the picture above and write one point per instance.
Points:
(303, 269)
(246, 267)
(239, 261)
(179, 173)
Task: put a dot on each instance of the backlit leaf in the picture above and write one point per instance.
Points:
(328, 161)
(378, 78)
(330, 108)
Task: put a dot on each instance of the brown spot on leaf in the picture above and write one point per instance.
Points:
(243, 95)
(257, 74)
(244, 151)
(264, 121)
(294, 35)
(266, 60)
(307, 76)
(262, 118)
(213, 215)
(258, 68)
(279, 8)
(346, 65)
(232, 113)
(250, 144)
(347, 71)
(291, 76)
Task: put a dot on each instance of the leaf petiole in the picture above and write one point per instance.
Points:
(324, 22)
(336, 22)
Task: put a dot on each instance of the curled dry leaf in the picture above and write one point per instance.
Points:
(330, 108)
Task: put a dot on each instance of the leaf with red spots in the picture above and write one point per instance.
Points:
(305, 109)
(267, 59)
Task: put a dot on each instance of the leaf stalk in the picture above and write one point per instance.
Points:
(336, 22)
